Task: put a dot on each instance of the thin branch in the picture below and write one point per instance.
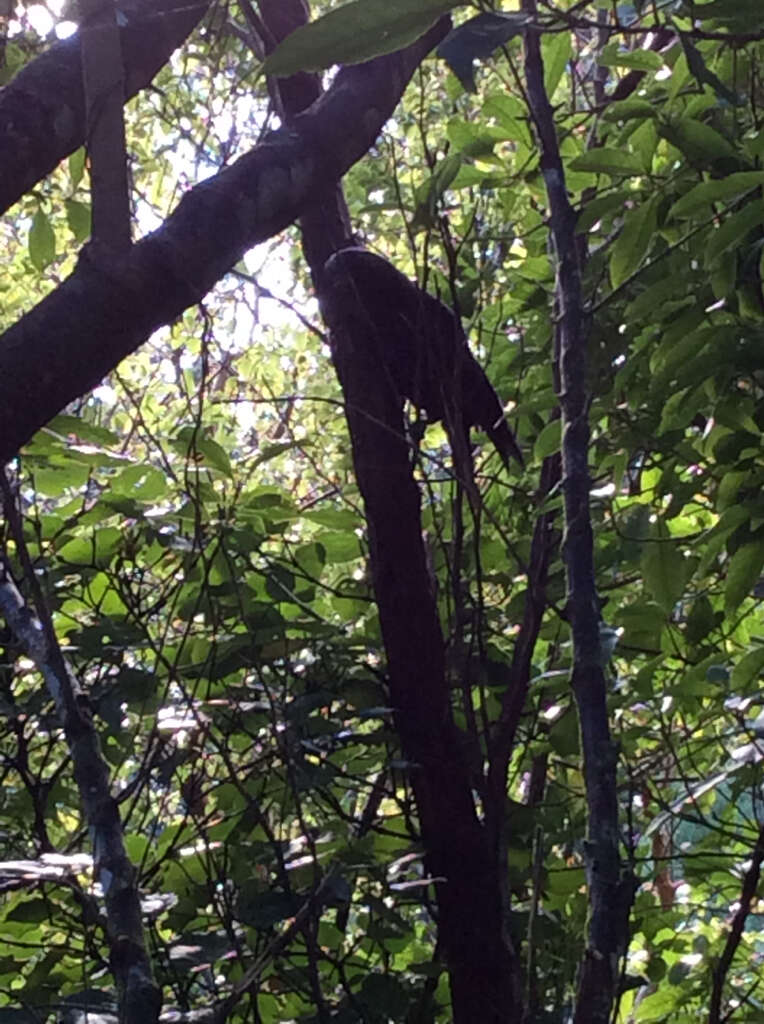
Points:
(275, 947)
(747, 896)
(609, 892)
(138, 994)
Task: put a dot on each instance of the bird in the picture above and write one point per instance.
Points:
(419, 340)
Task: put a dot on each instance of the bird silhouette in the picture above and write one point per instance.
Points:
(419, 340)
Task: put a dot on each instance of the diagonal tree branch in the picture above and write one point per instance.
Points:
(139, 996)
(735, 934)
(106, 309)
(42, 111)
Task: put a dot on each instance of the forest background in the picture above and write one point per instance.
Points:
(305, 716)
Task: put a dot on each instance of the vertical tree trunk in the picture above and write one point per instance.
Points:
(481, 962)
(463, 863)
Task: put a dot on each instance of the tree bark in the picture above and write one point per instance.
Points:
(107, 308)
(610, 889)
(104, 83)
(42, 110)
(138, 995)
(460, 857)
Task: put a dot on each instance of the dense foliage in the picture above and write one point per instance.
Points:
(196, 531)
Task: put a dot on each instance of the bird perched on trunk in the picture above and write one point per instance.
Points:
(419, 341)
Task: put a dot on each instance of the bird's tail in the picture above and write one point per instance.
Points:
(505, 442)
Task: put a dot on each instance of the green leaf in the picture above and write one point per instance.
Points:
(143, 483)
(30, 911)
(79, 428)
(748, 669)
(272, 451)
(355, 32)
(477, 39)
(678, 972)
(548, 441)
(190, 442)
(746, 13)
(94, 549)
(644, 142)
(638, 60)
(53, 481)
(680, 75)
(743, 572)
(628, 110)
(556, 50)
(509, 116)
(77, 166)
(644, 678)
(433, 188)
(633, 243)
(78, 219)
(685, 337)
(340, 547)
(678, 410)
(385, 995)
(280, 583)
(702, 145)
(664, 569)
(723, 274)
(334, 518)
(564, 736)
(733, 231)
(703, 195)
(214, 455)
(595, 209)
(701, 620)
(42, 241)
(615, 162)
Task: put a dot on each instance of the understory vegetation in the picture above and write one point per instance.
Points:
(189, 542)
